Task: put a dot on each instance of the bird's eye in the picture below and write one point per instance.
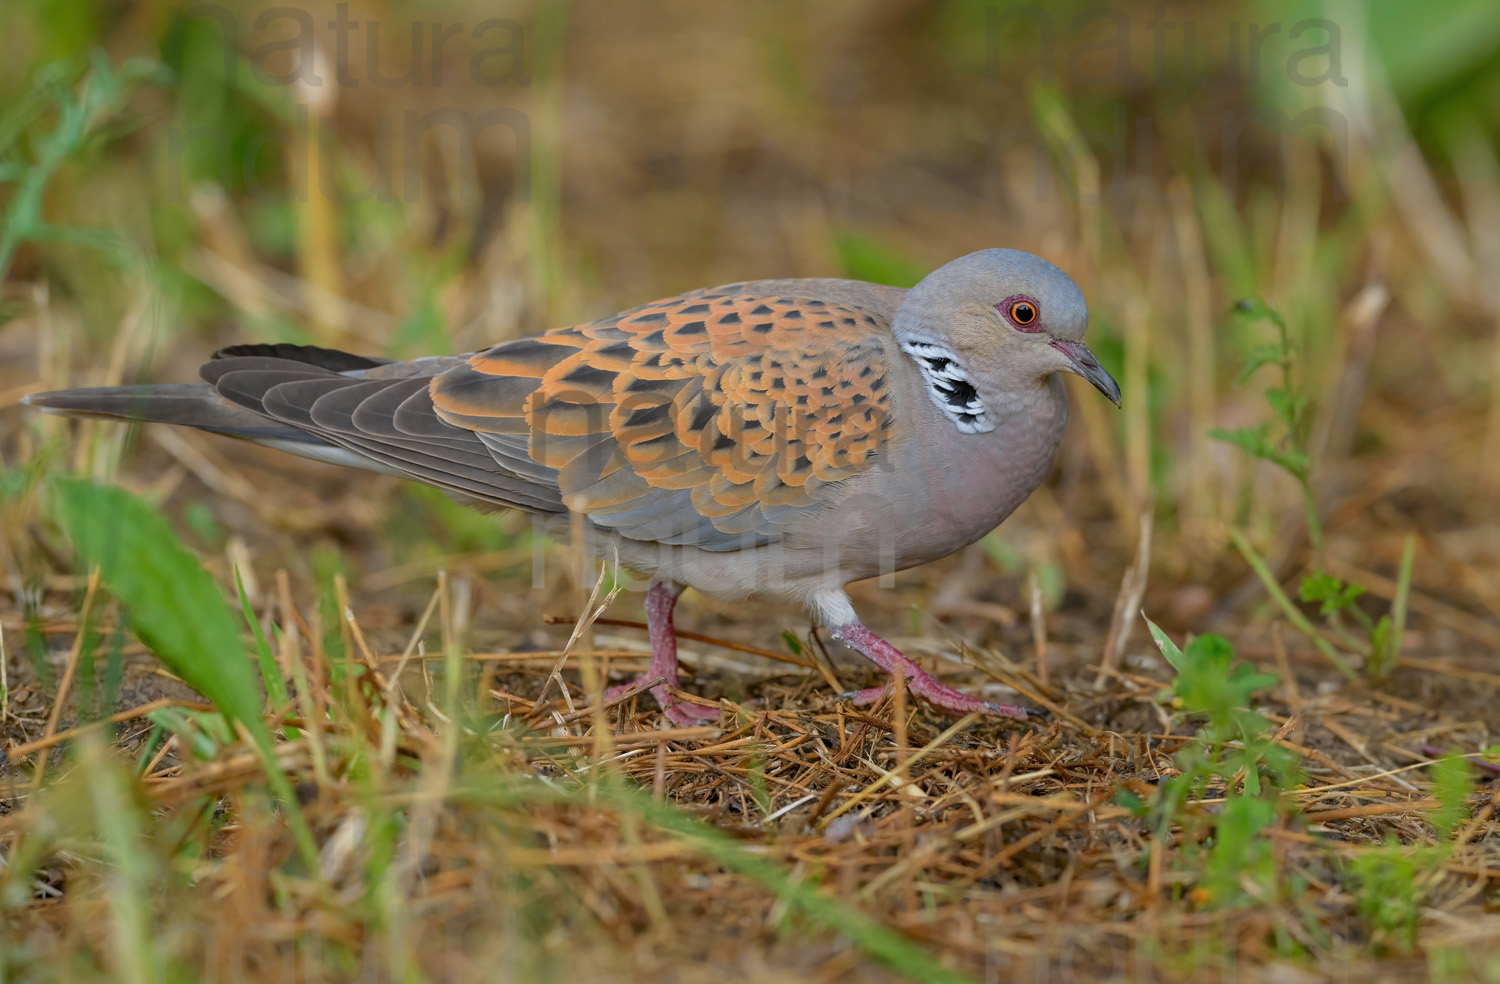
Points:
(1022, 312)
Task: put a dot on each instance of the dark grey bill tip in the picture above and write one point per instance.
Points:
(1086, 364)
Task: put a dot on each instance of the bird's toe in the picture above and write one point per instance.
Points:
(688, 715)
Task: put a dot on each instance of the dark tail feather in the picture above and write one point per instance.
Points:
(184, 404)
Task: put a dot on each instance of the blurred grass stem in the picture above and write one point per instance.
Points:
(1293, 613)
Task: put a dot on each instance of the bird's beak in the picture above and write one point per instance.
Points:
(1086, 364)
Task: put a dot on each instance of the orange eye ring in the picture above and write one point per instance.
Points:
(1023, 313)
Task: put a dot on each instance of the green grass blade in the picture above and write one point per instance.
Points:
(133, 944)
(1291, 611)
(1166, 645)
(175, 608)
(905, 956)
(884, 944)
(173, 605)
(270, 673)
(1398, 606)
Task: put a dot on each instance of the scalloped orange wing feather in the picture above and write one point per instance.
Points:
(704, 419)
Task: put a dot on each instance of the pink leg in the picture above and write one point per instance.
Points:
(661, 598)
(890, 659)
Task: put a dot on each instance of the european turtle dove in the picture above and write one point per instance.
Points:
(774, 439)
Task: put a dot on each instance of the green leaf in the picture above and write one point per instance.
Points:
(1207, 683)
(1292, 460)
(1254, 441)
(1328, 592)
(199, 733)
(1130, 801)
(174, 607)
(1166, 645)
(1239, 852)
(1259, 356)
(1285, 404)
(1255, 309)
(171, 603)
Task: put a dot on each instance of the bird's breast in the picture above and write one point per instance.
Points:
(939, 490)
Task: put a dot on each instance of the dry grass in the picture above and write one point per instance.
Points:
(1000, 848)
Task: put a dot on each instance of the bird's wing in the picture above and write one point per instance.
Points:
(706, 419)
(379, 413)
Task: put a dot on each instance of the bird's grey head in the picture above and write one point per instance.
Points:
(992, 324)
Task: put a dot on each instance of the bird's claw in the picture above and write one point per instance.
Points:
(684, 714)
(944, 697)
(1016, 713)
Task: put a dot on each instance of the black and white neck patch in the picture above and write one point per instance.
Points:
(949, 386)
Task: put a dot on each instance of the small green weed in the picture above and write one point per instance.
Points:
(83, 113)
(1283, 442)
(1232, 748)
(1391, 882)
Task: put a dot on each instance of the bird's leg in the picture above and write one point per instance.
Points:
(890, 659)
(661, 598)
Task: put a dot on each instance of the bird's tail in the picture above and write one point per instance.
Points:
(271, 395)
(185, 404)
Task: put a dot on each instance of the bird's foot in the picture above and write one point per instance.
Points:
(924, 685)
(686, 714)
(682, 713)
(661, 676)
